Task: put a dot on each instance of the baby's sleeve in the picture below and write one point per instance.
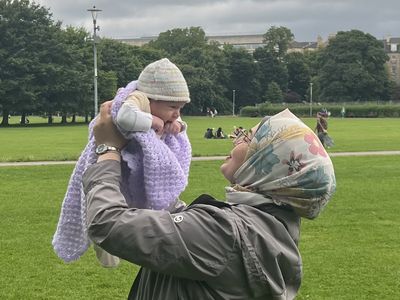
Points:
(134, 114)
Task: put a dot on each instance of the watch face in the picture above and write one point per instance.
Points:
(101, 149)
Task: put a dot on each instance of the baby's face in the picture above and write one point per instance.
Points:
(168, 111)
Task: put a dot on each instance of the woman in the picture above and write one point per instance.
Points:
(321, 129)
(245, 248)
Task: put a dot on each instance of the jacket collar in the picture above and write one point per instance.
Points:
(233, 197)
(248, 198)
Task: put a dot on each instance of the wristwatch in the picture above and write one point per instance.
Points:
(103, 148)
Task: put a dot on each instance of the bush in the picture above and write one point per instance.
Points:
(250, 111)
(303, 110)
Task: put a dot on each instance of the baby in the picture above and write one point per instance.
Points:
(152, 102)
(161, 94)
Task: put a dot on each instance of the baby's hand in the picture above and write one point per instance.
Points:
(172, 127)
(158, 125)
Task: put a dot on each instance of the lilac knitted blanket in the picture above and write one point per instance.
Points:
(154, 173)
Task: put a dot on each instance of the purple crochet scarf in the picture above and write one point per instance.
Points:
(154, 173)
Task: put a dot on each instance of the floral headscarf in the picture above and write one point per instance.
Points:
(287, 163)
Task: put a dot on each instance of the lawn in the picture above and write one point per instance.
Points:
(35, 143)
(15, 120)
(350, 252)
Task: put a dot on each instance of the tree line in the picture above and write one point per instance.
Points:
(46, 69)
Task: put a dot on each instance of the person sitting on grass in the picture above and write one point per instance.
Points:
(209, 134)
(236, 132)
(244, 248)
(220, 134)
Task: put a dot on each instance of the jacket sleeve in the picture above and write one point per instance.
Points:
(195, 243)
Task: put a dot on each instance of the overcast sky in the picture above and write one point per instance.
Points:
(305, 18)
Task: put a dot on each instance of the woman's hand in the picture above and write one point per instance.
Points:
(105, 131)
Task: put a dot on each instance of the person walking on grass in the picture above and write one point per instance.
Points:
(245, 248)
(321, 128)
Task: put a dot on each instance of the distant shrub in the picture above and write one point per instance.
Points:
(250, 111)
(303, 110)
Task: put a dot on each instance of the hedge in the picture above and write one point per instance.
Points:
(352, 111)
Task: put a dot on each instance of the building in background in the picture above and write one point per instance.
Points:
(392, 49)
(249, 42)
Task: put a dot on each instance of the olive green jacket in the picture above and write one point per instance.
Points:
(208, 250)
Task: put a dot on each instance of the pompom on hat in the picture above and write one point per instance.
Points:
(162, 80)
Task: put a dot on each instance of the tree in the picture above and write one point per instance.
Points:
(271, 66)
(114, 56)
(188, 47)
(69, 80)
(278, 39)
(298, 73)
(107, 85)
(311, 59)
(173, 41)
(291, 97)
(44, 68)
(270, 69)
(205, 72)
(274, 93)
(242, 71)
(26, 30)
(352, 68)
(202, 94)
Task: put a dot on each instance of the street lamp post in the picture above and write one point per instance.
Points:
(311, 84)
(233, 102)
(94, 12)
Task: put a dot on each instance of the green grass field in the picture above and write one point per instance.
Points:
(15, 120)
(350, 252)
(66, 142)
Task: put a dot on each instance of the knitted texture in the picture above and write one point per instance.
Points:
(154, 173)
(162, 80)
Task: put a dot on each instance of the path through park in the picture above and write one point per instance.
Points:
(202, 158)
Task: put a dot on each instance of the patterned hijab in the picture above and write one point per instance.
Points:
(287, 164)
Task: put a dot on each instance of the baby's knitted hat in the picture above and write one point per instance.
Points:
(162, 80)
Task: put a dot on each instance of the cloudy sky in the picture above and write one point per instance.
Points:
(305, 18)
